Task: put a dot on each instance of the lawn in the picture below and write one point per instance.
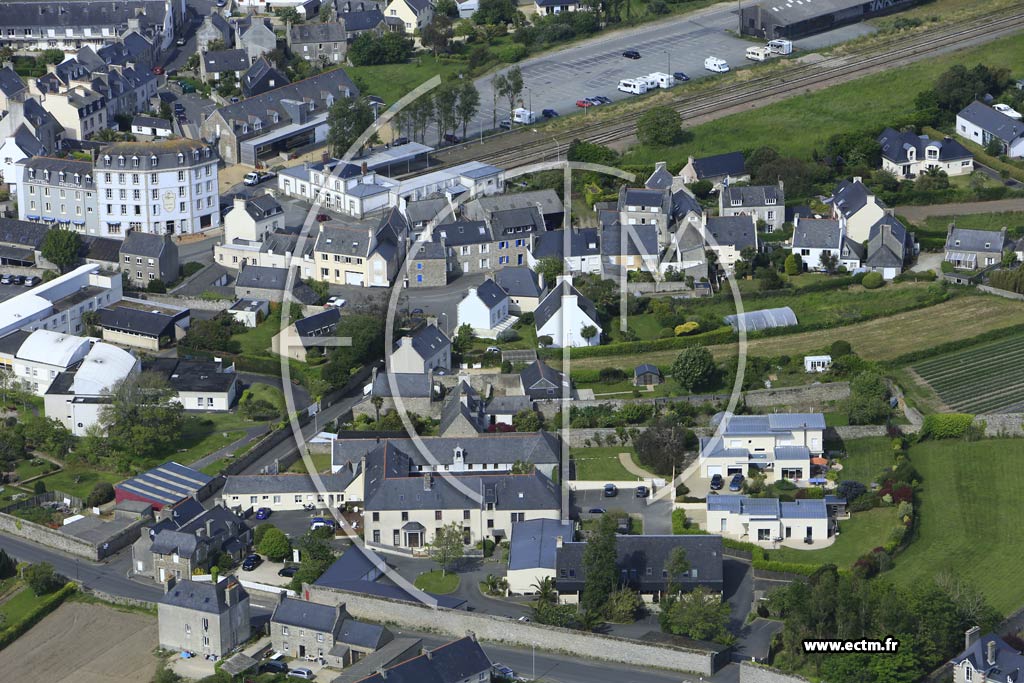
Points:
(268, 393)
(391, 81)
(78, 479)
(255, 341)
(798, 127)
(204, 434)
(601, 463)
(932, 231)
(971, 520)
(857, 535)
(434, 582)
(321, 461)
(865, 458)
(18, 606)
(26, 469)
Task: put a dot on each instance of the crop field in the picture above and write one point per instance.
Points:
(982, 379)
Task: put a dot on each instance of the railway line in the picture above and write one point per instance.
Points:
(522, 147)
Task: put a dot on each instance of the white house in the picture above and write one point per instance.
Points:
(533, 551)
(815, 238)
(855, 203)
(151, 126)
(563, 315)
(425, 350)
(524, 287)
(544, 7)
(44, 354)
(77, 396)
(779, 444)
(907, 155)
(767, 521)
(485, 309)
(728, 236)
(287, 491)
(980, 124)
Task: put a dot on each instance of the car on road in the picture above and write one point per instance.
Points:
(631, 54)
(416, 311)
(717, 482)
(302, 672)
(17, 279)
(263, 513)
(320, 523)
(680, 76)
(584, 103)
(287, 572)
(335, 302)
(322, 217)
(251, 562)
(602, 99)
(523, 620)
(596, 511)
(180, 42)
(549, 113)
(273, 667)
(610, 490)
(736, 483)
(642, 492)
(452, 138)
(32, 281)
(398, 142)
(502, 671)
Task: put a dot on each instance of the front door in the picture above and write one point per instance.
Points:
(302, 651)
(810, 532)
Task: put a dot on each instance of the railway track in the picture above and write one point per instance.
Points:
(522, 147)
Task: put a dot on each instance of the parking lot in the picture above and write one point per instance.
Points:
(657, 514)
(8, 291)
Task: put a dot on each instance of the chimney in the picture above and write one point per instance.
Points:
(471, 635)
(990, 652)
(472, 292)
(558, 541)
(889, 211)
(971, 636)
(364, 168)
(428, 481)
(231, 593)
(239, 202)
(171, 582)
(209, 528)
(382, 673)
(660, 165)
(324, 157)
(857, 179)
(428, 654)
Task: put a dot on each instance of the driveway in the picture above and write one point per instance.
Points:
(657, 515)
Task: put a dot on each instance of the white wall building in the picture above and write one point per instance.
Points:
(767, 521)
(564, 313)
(485, 309)
(77, 397)
(780, 445)
(59, 304)
(45, 354)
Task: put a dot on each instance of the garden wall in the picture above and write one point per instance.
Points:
(1002, 424)
(855, 431)
(756, 673)
(195, 302)
(1001, 292)
(456, 623)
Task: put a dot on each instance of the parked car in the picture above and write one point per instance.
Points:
(610, 490)
(287, 572)
(505, 124)
(32, 281)
(320, 523)
(736, 483)
(549, 113)
(17, 279)
(452, 138)
(257, 177)
(492, 349)
(5, 279)
(642, 492)
(273, 667)
(680, 76)
(631, 54)
(302, 672)
(717, 482)
(335, 302)
(502, 671)
(322, 218)
(596, 511)
(221, 3)
(602, 99)
(416, 311)
(263, 513)
(251, 562)
(179, 108)
(523, 620)
(584, 103)
(187, 88)
(397, 142)
(180, 42)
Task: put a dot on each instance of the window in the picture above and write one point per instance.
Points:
(437, 515)
(206, 624)
(188, 629)
(376, 516)
(284, 631)
(405, 516)
(490, 524)
(319, 637)
(763, 535)
(968, 672)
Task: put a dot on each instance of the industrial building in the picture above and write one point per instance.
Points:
(793, 19)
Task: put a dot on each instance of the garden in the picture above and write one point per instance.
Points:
(983, 378)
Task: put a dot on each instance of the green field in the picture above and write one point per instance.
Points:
(434, 582)
(268, 393)
(984, 378)
(78, 479)
(931, 232)
(857, 536)
(391, 81)
(601, 463)
(971, 520)
(866, 458)
(18, 606)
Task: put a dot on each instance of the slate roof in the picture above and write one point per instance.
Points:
(304, 614)
(317, 33)
(738, 231)
(428, 340)
(851, 196)
(888, 248)
(533, 543)
(641, 239)
(425, 210)
(976, 240)
(1009, 663)
(518, 281)
(585, 242)
(426, 251)
(146, 323)
(731, 164)
(484, 206)
(219, 61)
(459, 233)
(490, 294)
(646, 368)
(508, 405)
(896, 146)
(320, 324)
(156, 155)
(409, 385)
(551, 304)
(820, 233)
(143, 244)
(361, 21)
(95, 13)
(202, 596)
(994, 122)
(41, 164)
(454, 407)
(735, 196)
(27, 142)
(539, 448)
(22, 233)
(661, 179)
(352, 239)
(683, 203)
(261, 77)
(262, 207)
(150, 121)
(10, 82)
(526, 219)
(246, 484)
(540, 375)
(637, 554)
(262, 277)
(643, 198)
(451, 663)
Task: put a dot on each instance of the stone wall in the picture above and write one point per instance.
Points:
(1001, 292)
(193, 302)
(1002, 424)
(756, 673)
(455, 623)
(51, 538)
(577, 437)
(855, 431)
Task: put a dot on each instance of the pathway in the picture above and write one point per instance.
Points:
(913, 415)
(916, 214)
(626, 460)
(251, 434)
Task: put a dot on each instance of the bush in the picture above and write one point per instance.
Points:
(872, 280)
(946, 426)
(39, 487)
(101, 493)
(275, 545)
(840, 348)
(156, 287)
(508, 335)
(686, 328)
(611, 375)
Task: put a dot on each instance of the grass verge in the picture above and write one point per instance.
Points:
(434, 582)
(601, 463)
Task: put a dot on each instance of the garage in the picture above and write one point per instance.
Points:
(735, 469)
(353, 278)
(714, 469)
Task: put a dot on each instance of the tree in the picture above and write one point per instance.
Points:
(60, 247)
(581, 150)
(700, 615)
(829, 262)
(448, 8)
(543, 591)
(377, 402)
(468, 104)
(348, 118)
(794, 265)
(259, 531)
(511, 87)
(666, 445)
(839, 348)
(600, 567)
(275, 545)
(213, 335)
(527, 421)
(326, 14)
(165, 675)
(550, 267)
(660, 126)
(368, 49)
(8, 567)
(143, 418)
(365, 332)
(624, 605)
(320, 287)
(102, 492)
(446, 100)
(156, 286)
(421, 111)
(676, 565)
(694, 368)
(447, 547)
(288, 15)
(41, 578)
(701, 189)
(39, 486)
(994, 148)
(463, 339)
(588, 332)
(932, 179)
(437, 35)
(496, 12)
(316, 556)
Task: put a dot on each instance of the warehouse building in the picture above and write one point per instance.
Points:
(793, 19)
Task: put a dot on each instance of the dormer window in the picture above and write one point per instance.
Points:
(153, 161)
(78, 179)
(257, 125)
(195, 155)
(769, 200)
(956, 243)
(135, 161)
(120, 161)
(276, 117)
(46, 174)
(735, 201)
(245, 128)
(61, 176)
(181, 158)
(312, 105)
(208, 152)
(32, 173)
(106, 160)
(988, 245)
(88, 178)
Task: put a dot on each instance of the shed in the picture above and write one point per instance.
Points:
(765, 319)
(647, 375)
(817, 363)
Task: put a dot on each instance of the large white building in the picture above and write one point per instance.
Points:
(780, 445)
(59, 304)
(76, 397)
(767, 521)
(44, 354)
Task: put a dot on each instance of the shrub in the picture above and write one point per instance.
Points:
(947, 267)
(946, 425)
(839, 348)
(872, 280)
(101, 493)
(611, 375)
(686, 328)
(508, 335)
(39, 487)
(793, 265)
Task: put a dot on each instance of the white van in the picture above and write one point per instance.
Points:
(758, 54)
(717, 65)
(632, 86)
(660, 80)
(523, 116)
(781, 46)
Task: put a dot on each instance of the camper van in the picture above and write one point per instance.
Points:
(717, 65)
(758, 54)
(660, 80)
(523, 116)
(633, 86)
(781, 46)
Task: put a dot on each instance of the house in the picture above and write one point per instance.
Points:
(250, 312)
(986, 659)
(502, 409)
(473, 177)
(462, 413)
(890, 247)
(424, 350)
(981, 124)
(254, 235)
(540, 381)
(143, 324)
(178, 548)
(262, 282)
(422, 213)
(780, 445)
(817, 363)
(31, 117)
(460, 661)
(365, 253)
(214, 28)
(58, 305)
(403, 508)
(306, 334)
(728, 236)
(261, 77)
(766, 203)
(580, 249)
(975, 249)
(647, 375)
(485, 309)
(629, 248)
(767, 521)
(532, 553)
(820, 240)
(20, 243)
(546, 7)
(77, 396)
(256, 36)
(218, 64)
(42, 355)
(546, 201)
(198, 385)
(467, 8)
(524, 287)
(363, 21)
(645, 206)
(286, 491)
(165, 486)
(146, 257)
(151, 126)
(854, 202)
(416, 391)
(720, 170)
(325, 633)
(17, 147)
(412, 15)
(355, 190)
(907, 155)
(427, 265)
(563, 315)
(319, 43)
(57, 191)
(11, 87)
(203, 617)
(103, 251)
(81, 111)
(31, 26)
(662, 179)
(469, 245)
(643, 564)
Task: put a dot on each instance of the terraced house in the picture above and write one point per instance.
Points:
(368, 254)
(70, 25)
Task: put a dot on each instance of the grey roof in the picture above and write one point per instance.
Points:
(490, 293)
(585, 242)
(527, 218)
(308, 615)
(683, 203)
(661, 179)
(262, 277)
(638, 554)
(463, 232)
(805, 509)
(853, 249)
(419, 5)
(156, 155)
(361, 634)
(994, 122)
(519, 281)
(253, 484)
(646, 368)
(965, 239)
(69, 167)
(27, 142)
(896, 145)
(744, 505)
(1009, 663)
(144, 244)
(426, 251)
(428, 340)
(533, 543)
(817, 233)
(10, 343)
(351, 240)
(219, 61)
(95, 13)
(22, 233)
(729, 164)
(540, 373)
(263, 206)
(361, 21)
(737, 231)
(850, 196)
(644, 197)
(425, 210)
(551, 304)
(508, 405)
(318, 33)
(261, 77)
(484, 206)
(792, 13)
(641, 240)
(150, 121)
(192, 375)
(408, 384)
(773, 423)
(455, 407)
(752, 195)
(889, 244)
(322, 324)
(203, 596)
(539, 448)
(457, 661)
(10, 82)
(146, 323)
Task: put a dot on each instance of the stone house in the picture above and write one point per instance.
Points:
(146, 257)
(765, 203)
(424, 350)
(312, 631)
(974, 249)
(203, 617)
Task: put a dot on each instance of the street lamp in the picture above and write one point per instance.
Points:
(529, 95)
(669, 55)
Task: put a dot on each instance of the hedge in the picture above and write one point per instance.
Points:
(46, 605)
(786, 567)
(949, 347)
(946, 425)
(722, 335)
